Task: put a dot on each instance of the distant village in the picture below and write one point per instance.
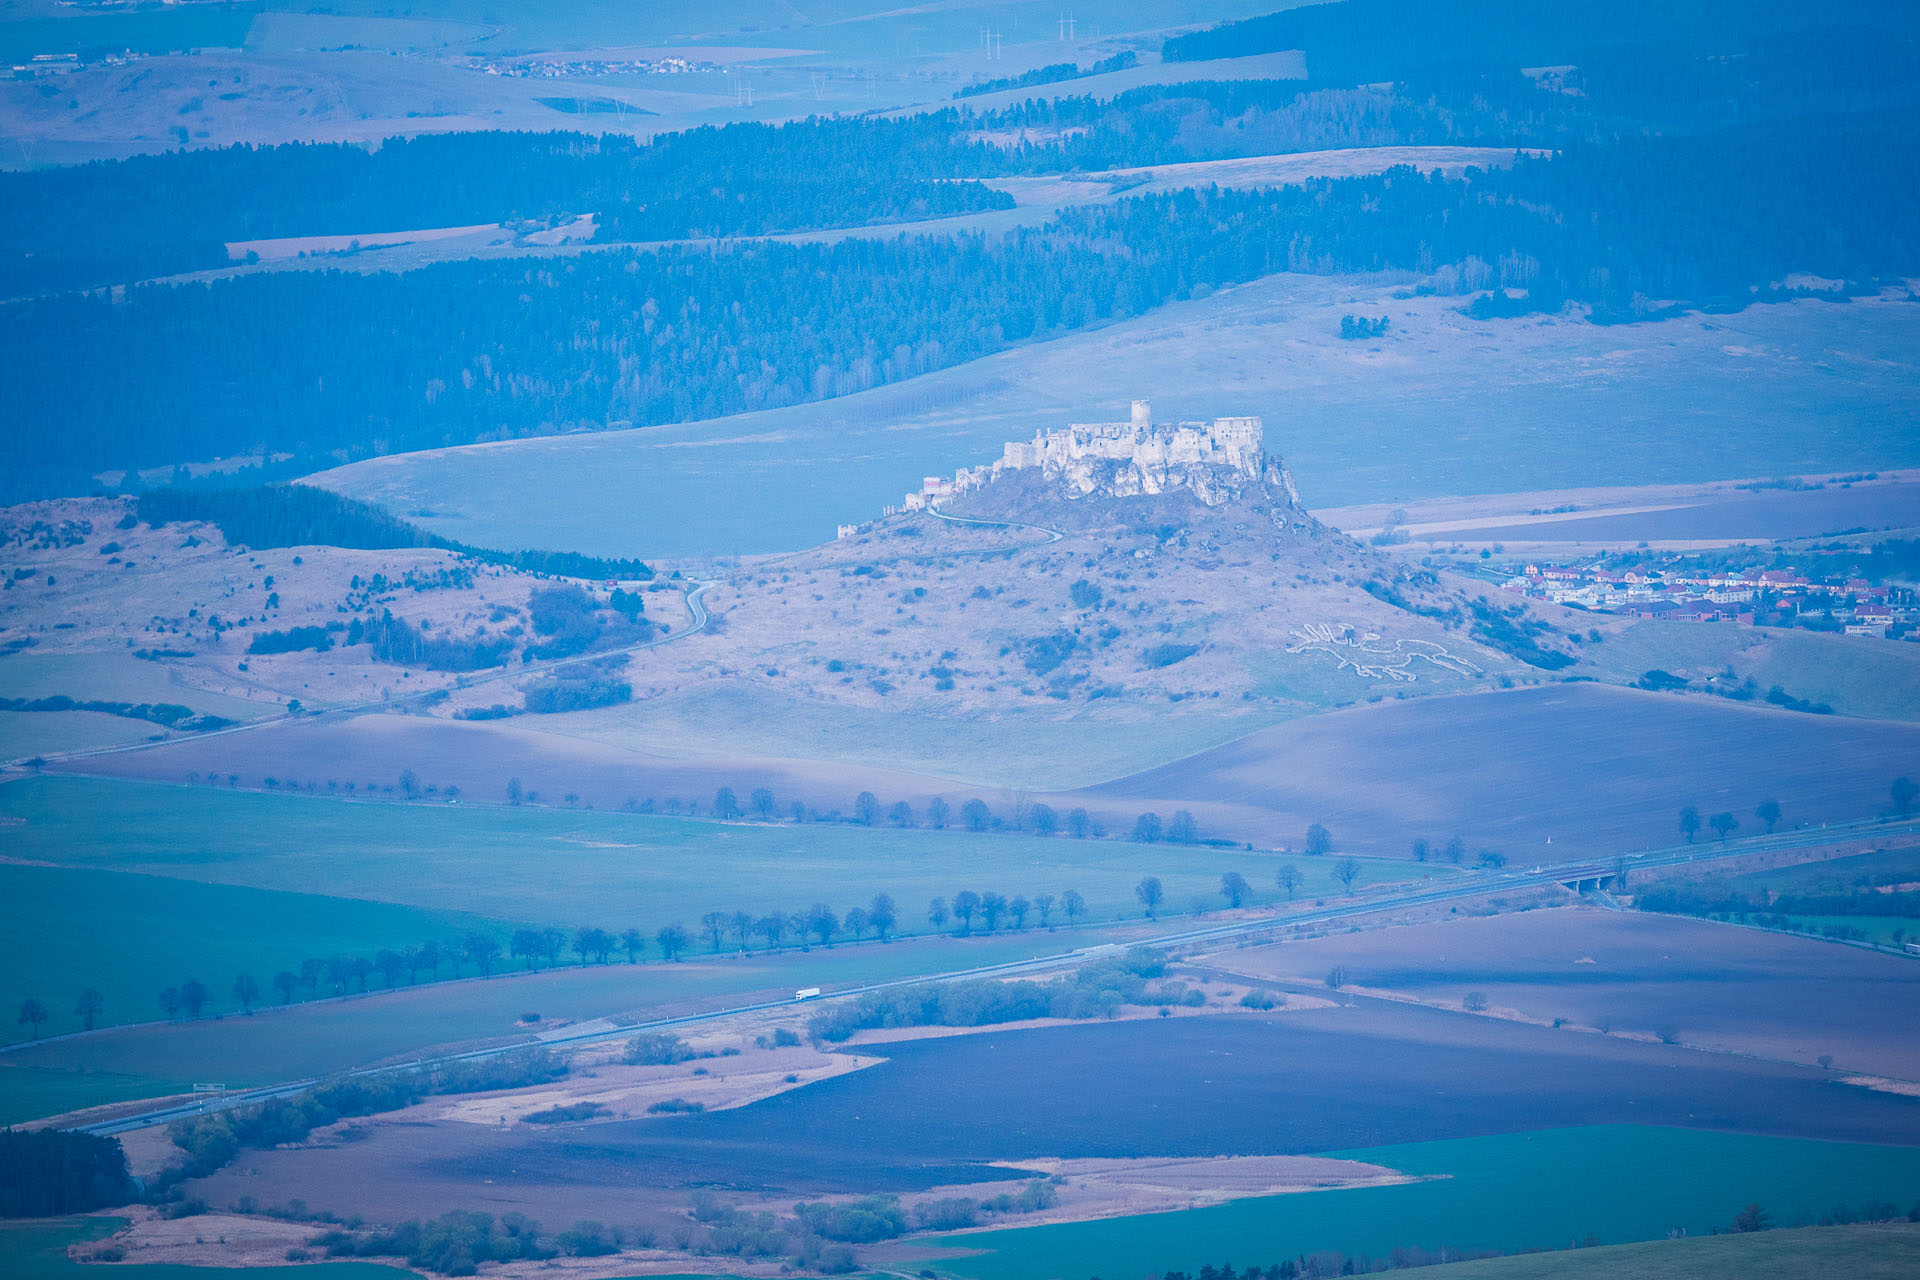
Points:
(1752, 597)
(563, 69)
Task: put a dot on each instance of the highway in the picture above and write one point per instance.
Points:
(1465, 885)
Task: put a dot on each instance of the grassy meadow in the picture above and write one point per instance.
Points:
(155, 885)
(1874, 1252)
(1540, 1190)
(1435, 408)
(1019, 749)
(63, 931)
(1853, 675)
(550, 866)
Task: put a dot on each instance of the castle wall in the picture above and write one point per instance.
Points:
(1138, 456)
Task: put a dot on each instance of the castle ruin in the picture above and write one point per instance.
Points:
(1215, 460)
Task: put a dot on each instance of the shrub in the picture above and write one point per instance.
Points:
(856, 1222)
(1165, 655)
(657, 1049)
(950, 1214)
(567, 1114)
(291, 641)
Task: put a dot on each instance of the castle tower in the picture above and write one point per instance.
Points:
(1142, 415)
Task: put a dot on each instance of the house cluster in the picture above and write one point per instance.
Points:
(1214, 460)
(1765, 597)
(563, 69)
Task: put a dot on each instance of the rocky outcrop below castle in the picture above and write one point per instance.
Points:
(1216, 462)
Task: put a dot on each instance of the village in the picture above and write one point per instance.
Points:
(1683, 592)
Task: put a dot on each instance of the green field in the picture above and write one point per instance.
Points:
(203, 882)
(154, 885)
(321, 1037)
(1877, 1252)
(1836, 875)
(1540, 1190)
(110, 676)
(25, 734)
(1878, 929)
(63, 931)
(1855, 677)
(37, 1250)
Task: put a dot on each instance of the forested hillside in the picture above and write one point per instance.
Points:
(1366, 41)
(334, 366)
(112, 221)
(1682, 175)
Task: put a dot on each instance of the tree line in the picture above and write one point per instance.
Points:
(1097, 989)
(299, 515)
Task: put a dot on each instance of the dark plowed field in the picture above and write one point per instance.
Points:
(1539, 774)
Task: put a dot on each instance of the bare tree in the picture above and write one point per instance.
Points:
(965, 904)
(1018, 908)
(482, 949)
(1288, 878)
(1073, 904)
(772, 927)
(992, 907)
(1043, 903)
(1235, 889)
(715, 923)
(88, 1006)
(527, 945)
(1904, 793)
(633, 944)
(881, 915)
(33, 1016)
(672, 940)
(1346, 871)
(1150, 892)
(937, 912)
(246, 989)
(284, 982)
